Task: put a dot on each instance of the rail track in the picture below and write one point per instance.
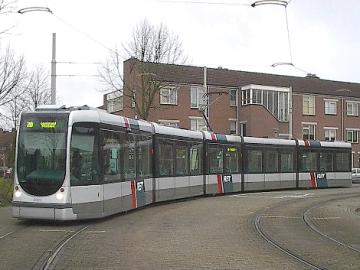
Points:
(307, 221)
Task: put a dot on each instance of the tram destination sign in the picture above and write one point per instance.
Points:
(33, 123)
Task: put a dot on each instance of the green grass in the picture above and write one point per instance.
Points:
(6, 191)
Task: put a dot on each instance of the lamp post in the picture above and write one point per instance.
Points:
(53, 58)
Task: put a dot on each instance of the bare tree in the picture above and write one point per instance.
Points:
(150, 45)
(12, 74)
(38, 92)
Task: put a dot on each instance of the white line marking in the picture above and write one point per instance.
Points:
(54, 230)
(95, 231)
(3, 236)
(293, 196)
(325, 218)
(281, 217)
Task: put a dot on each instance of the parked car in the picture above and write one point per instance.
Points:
(355, 175)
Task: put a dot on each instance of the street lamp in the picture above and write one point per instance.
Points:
(270, 2)
(53, 59)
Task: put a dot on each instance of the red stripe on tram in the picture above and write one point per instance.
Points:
(126, 122)
(133, 195)
(219, 184)
(313, 180)
(213, 136)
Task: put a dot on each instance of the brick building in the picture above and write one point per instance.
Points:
(7, 146)
(248, 103)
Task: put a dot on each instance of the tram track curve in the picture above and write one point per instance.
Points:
(307, 221)
(47, 260)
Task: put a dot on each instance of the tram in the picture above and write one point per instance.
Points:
(83, 163)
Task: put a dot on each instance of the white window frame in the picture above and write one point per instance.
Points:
(309, 126)
(309, 108)
(197, 123)
(330, 106)
(233, 102)
(197, 93)
(232, 121)
(169, 123)
(114, 101)
(352, 131)
(330, 132)
(354, 111)
(166, 95)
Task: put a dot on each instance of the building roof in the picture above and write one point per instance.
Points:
(184, 74)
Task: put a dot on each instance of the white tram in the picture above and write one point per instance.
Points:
(82, 163)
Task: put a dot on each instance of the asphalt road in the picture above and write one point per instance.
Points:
(206, 233)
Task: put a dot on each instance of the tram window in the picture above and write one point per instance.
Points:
(326, 161)
(166, 160)
(84, 156)
(144, 156)
(308, 161)
(254, 161)
(129, 157)
(112, 151)
(271, 161)
(215, 158)
(231, 159)
(182, 160)
(342, 161)
(286, 161)
(195, 159)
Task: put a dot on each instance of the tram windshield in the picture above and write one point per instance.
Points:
(41, 153)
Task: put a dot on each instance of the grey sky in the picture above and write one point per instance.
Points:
(325, 37)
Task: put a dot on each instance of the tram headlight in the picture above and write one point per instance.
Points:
(17, 192)
(60, 194)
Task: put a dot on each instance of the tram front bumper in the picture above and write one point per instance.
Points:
(44, 212)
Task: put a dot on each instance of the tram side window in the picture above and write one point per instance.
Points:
(166, 160)
(342, 162)
(215, 158)
(271, 160)
(144, 156)
(308, 161)
(231, 159)
(326, 161)
(129, 157)
(182, 160)
(112, 157)
(254, 161)
(286, 162)
(196, 159)
(84, 155)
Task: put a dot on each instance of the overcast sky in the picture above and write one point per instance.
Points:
(324, 35)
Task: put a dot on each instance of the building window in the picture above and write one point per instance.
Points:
(352, 109)
(168, 96)
(232, 125)
(330, 106)
(198, 123)
(308, 131)
(330, 134)
(197, 96)
(308, 105)
(232, 93)
(170, 123)
(274, 99)
(114, 101)
(352, 135)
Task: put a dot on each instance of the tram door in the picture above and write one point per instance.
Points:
(86, 188)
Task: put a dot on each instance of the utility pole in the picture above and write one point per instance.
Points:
(53, 70)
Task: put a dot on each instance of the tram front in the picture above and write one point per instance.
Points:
(40, 189)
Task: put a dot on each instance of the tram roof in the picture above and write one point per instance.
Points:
(179, 132)
(317, 144)
(254, 140)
